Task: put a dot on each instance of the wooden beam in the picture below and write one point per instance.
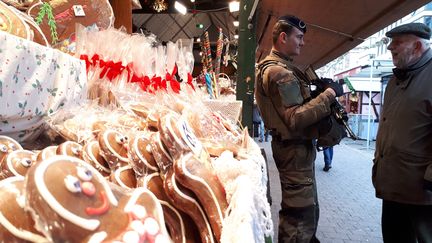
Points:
(123, 14)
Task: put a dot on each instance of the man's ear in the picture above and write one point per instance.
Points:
(418, 45)
(283, 37)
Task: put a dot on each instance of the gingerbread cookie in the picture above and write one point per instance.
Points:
(16, 225)
(124, 177)
(145, 220)
(8, 145)
(46, 153)
(140, 152)
(91, 154)
(180, 226)
(114, 148)
(70, 200)
(71, 149)
(17, 163)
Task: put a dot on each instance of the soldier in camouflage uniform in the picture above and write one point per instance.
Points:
(283, 97)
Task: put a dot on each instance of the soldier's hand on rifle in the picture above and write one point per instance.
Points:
(336, 87)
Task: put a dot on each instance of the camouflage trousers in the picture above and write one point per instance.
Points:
(298, 217)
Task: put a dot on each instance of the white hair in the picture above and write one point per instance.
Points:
(425, 43)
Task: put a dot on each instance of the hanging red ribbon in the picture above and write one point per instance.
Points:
(189, 80)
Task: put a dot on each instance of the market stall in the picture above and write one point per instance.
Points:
(138, 151)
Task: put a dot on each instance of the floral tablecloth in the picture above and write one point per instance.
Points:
(35, 81)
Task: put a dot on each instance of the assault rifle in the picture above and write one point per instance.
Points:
(338, 111)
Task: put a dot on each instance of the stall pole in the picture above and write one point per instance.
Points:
(123, 14)
(246, 61)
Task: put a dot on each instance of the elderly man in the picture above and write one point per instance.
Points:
(286, 106)
(402, 170)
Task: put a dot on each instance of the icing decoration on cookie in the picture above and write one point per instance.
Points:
(16, 224)
(114, 147)
(8, 145)
(124, 177)
(142, 159)
(46, 153)
(70, 148)
(17, 163)
(69, 197)
(91, 154)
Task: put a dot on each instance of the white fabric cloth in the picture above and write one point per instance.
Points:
(35, 81)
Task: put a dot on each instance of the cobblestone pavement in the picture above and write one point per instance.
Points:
(349, 210)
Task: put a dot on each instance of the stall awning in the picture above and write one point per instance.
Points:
(334, 26)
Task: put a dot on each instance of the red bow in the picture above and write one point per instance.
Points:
(175, 85)
(110, 69)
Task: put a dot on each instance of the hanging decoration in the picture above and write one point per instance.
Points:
(47, 10)
(160, 5)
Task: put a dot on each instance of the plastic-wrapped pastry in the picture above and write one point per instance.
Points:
(170, 135)
(160, 154)
(69, 129)
(16, 225)
(198, 175)
(124, 177)
(140, 152)
(91, 154)
(131, 121)
(71, 149)
(180, 226)
(114, 148)
(8, 145)
(17, 163)
(139, 109)
(46, 153)
(185, 200)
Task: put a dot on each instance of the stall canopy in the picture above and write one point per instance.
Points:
(334, 26)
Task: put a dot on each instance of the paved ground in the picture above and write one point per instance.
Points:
(349, 211)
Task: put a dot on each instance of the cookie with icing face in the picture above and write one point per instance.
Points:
(124, 177)
(146, 222)
(8, 145)
(140, 152)
(70, 200)
(91, 154)
(46, 153)
(17, 163)
(70, 148)
(114, 148)
(16, 225)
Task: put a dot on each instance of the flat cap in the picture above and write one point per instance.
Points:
(294, 21)
(418, 29)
